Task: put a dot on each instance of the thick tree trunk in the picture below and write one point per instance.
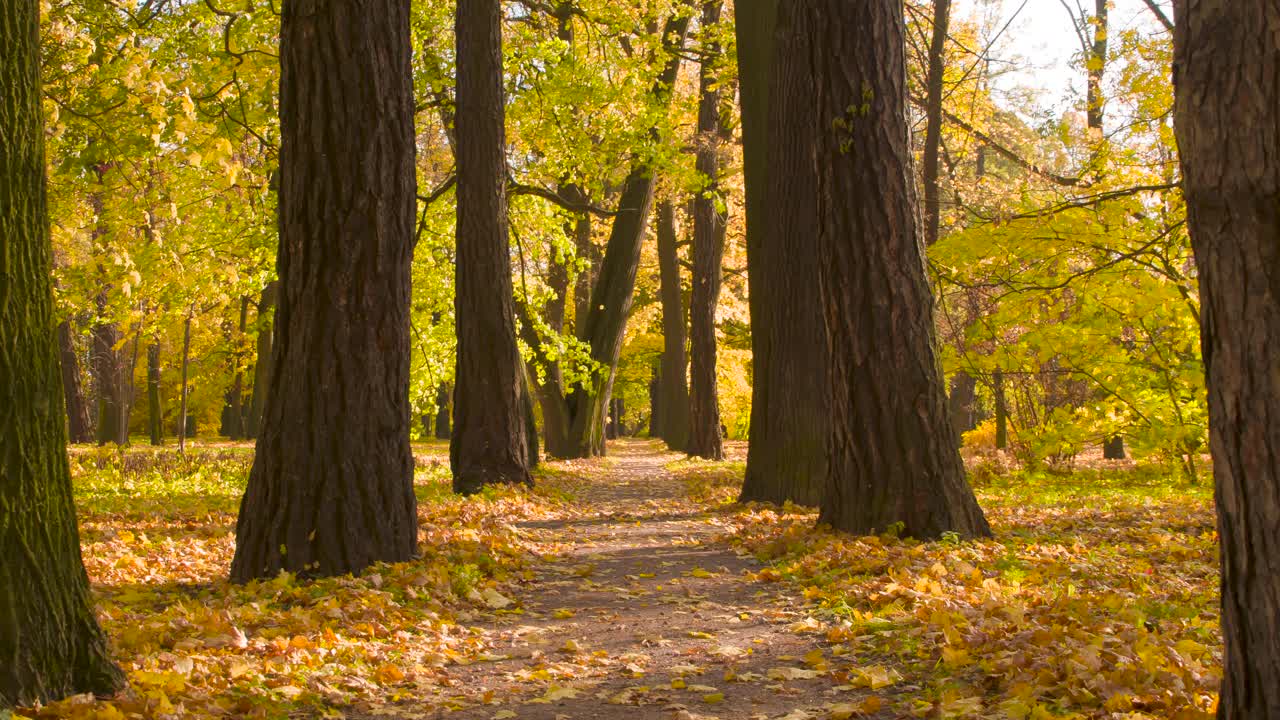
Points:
(443, 396)
(50, 643)
(787, 458)
(1227, 80)
(331, 489)
(705, 440)
(490, 443)
(893, 457)
(673, 400)
(78, 424)
(933, 120)
(262, 366)
(155, 411)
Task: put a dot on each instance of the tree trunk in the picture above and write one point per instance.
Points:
(184, 420)
(104, 364)
(674, 375)
(1097, 64)
(490, 443)
(78, 423)
(655, 388)
(233, 412)
(705, 440)
(786, 457)
(443, 395)
(262, 366)
(1227, 80)
(963, 404)
(1002, 412)
(331, 489)
(892, 451)
(50, 643)
(933, 120)
(155, 412)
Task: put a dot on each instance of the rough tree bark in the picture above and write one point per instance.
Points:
(1002, 411)
(1227, 88)
(184, 420)
(78, 423)
(1096, 53)
(705, 440)
(786, 459)
(331, 489)
(892, 451)
(673, 377)
(50, 642)
(490, 443)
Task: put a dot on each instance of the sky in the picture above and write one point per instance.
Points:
(1041, 34)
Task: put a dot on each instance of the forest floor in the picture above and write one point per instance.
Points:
(633, 586)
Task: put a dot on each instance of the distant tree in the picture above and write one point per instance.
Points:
(1226, 68)
(786, 457)
(673, 378)
(892, 451)
(50, 642)
(705, 440)
(331, 489)
(489, 443)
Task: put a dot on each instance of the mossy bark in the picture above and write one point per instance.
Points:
(50, 642)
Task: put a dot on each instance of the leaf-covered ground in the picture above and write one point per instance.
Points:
(632, 587)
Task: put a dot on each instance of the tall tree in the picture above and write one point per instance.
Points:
(673, 378)
(892, 450)
(786, 457)
(78, 423)
(1227, 80)
(331, 489)
(933, 120)
(50, 642)
(708, 253)
(583, 409)
(262, 366)
(490, 443)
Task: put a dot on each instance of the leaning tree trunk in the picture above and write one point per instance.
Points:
(50, 642)
(892, 451)
(705, 440)
(331, 489)
(786, 457)
(78, 424)
(673, 378)
(490, 442)
(1227, 81)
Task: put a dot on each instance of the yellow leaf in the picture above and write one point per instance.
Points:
(713, 698)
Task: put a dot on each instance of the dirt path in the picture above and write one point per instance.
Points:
(636, 611)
